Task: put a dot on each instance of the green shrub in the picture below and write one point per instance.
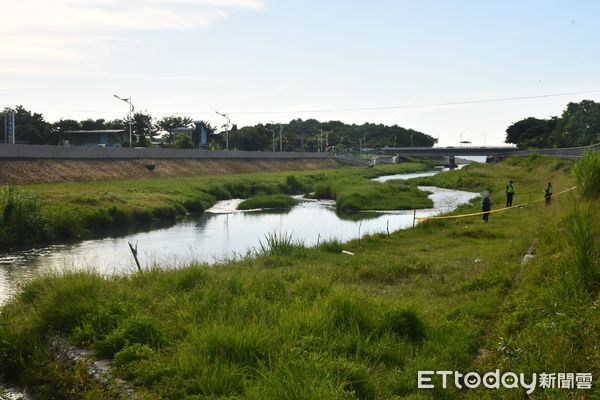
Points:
(22, 221)
(587, 173)
(584, 242)
(268, 201)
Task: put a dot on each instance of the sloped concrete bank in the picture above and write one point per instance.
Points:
(53, 170)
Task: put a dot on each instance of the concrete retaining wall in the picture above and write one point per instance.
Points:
(24, 151)
(570, 152)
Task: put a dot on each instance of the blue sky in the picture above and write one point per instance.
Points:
(267, 60)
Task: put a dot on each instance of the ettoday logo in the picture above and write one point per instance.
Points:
(507, 380)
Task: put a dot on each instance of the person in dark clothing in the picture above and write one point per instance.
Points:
(486, 205)
(548, 194)
(510, 193)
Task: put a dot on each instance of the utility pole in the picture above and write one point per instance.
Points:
(280, 138)
(272, 134)
(226, 126)
(128, 100)
(326, 133)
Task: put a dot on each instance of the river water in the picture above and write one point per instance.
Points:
(220, 233)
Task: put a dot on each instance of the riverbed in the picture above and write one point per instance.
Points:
(221, 233)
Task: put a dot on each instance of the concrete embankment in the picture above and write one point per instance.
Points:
(52, 170)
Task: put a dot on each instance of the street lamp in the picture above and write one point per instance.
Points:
(226, 126)
(128, 101)
(270, 129)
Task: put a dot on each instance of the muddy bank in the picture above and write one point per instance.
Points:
(48, 171)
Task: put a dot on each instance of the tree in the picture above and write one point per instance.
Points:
(183, 142)
(31, 127)
(579, 125)
(531, 132)
(142, 129)
(169, 124)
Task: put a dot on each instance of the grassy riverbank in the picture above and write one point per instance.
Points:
(268, 202)
(35, 214)
(312, 323)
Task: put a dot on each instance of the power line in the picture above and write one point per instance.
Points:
(353, 109)
(455, 103)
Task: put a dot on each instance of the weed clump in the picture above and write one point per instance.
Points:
(293, 185)
(585, 249)
(22, 220)
(139, 329)
(279, 244)
(404, 323)
(269, 201)
(587, 174)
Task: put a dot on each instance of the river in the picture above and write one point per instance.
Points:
(220, 233)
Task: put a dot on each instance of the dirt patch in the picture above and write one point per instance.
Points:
(48, 171)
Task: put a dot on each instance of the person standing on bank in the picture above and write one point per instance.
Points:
(510, 193)
(486, 205)
(548, 194)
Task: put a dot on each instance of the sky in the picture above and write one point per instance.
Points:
(456, 70)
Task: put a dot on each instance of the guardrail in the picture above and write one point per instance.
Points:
(565, 152)
(26, 151)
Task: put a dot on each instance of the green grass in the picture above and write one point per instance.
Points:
(81, 209)
(353, 194)
(269, 202)
(587, 173)
(311, 323)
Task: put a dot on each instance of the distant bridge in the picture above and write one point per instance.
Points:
(567, 152)
(497, 152)
(450, 151)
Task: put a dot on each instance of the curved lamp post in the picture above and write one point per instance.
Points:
(128, 101)
(226, 126)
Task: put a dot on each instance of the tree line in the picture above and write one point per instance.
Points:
(579, 125)
(296, 135)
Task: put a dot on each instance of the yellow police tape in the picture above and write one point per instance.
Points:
(421, 219)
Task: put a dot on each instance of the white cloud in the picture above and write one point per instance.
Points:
(73, 16)
(78, 34)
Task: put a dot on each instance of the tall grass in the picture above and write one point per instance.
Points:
(22, 220)
(78, 210)
(585, 250)
(327, 325)
(587, 173)
(279, 244)
(268, 201)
